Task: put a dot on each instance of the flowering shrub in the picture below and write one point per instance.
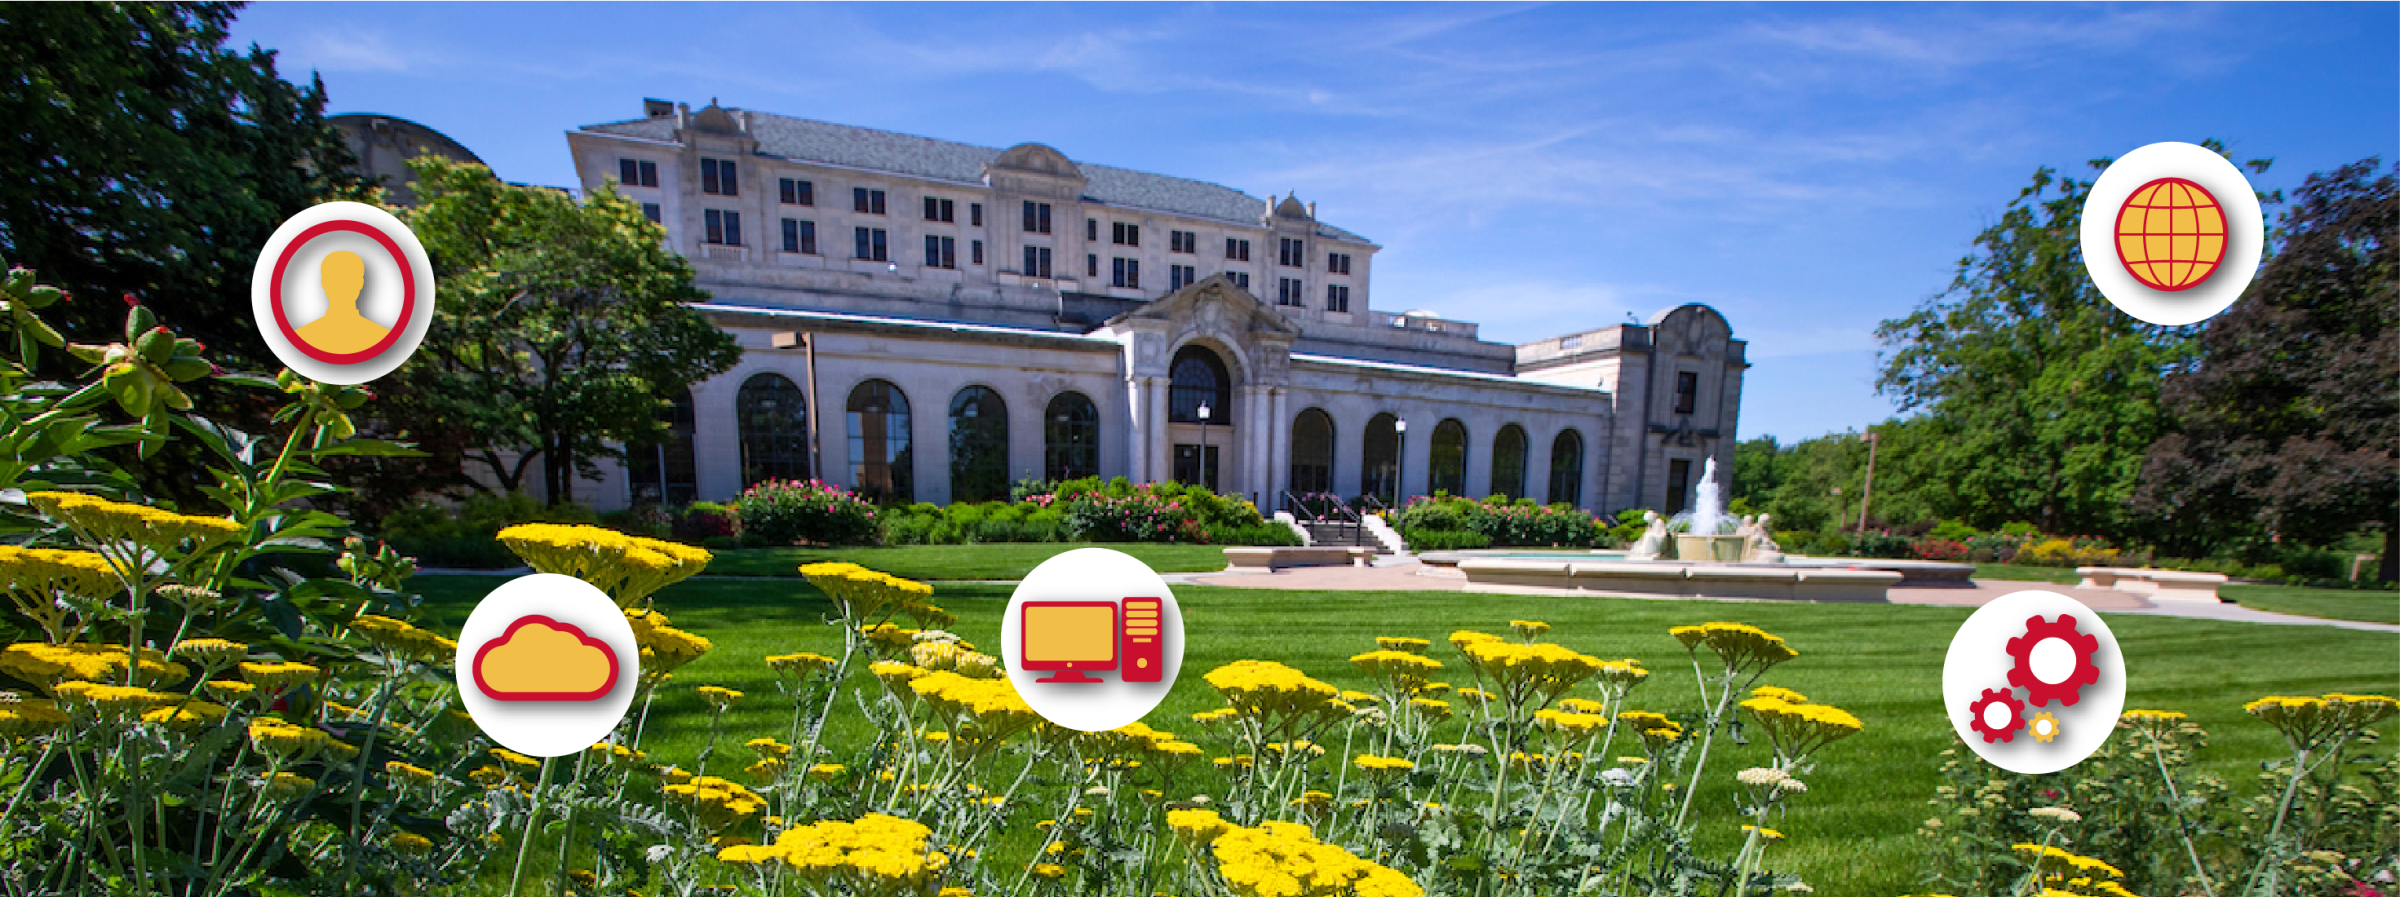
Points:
(787, 512)
(1503, 523)
(2079, 551)
(1938, 550)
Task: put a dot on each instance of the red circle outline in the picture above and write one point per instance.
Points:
(408, 291)
(2118, 233)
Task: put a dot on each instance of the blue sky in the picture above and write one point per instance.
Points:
(1809, 170)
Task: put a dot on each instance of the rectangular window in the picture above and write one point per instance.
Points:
(797, 192)
(1182, 241)
(791, 235)
(636, 173)
(723, 228)
(1292, 254)
(1128, 273)
(1237, 250)
(808, 237)
(1687, 392)
(1091, 230)
(942, 210)
(650, 211)
(1127, 234)
(941, 252)
(1337, 297)
(1241, 279)
(1037, 261)
(1571, 342)
(1037, 217)
(870, 244)
(865, 201)
(1180, 276)
(717, 178)
(1091, 265)
(974, 214)
(977, 248)
(1679, 485)
(1337, 262)
(1288, 292)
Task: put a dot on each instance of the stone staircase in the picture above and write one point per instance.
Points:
(1339, 532)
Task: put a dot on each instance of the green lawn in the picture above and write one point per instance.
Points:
(998, 560)
(2365, 605)
(2064, 576)
(1852, 834)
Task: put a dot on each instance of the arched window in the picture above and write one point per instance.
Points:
(1070, 438)
(1312, 452)
(1566, 468)
(881, 462)
(1198, 378)
(1380, 476)
(978, 446)
(771, 413)
(665, 473)
(1508, 462)
(1448, 472)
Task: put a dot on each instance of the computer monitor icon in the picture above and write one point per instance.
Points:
(1069, 638)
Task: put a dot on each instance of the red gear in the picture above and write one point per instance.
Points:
(2068, 691)
(2016, 715)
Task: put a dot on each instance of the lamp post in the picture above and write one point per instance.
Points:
(1201, 472)
(1399, 458)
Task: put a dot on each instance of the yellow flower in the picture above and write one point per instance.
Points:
(1278, 859)
(627, 568)
(768, 747)
(878, 854)
(286, 786)
(185, 716)
(1798, 729)
(1401, 671)
(1277, 697)
(750, 855)
(802, 665)
(1529, 629)
(515, 759)
(664, 648)
(211, 653)
(766, 771)
(409, 844)
(275, 677)
(1382, 765)
(718, 698)
(716, 802)
(1767, 833)
(1402, 643)
(1745, 649)
(1051, 871)
(48, 665)
(1574, 725)
(28, 718)
(826, 772)
(112, 701)
(282, 739)
(228, 690)
(1785, 695)
(107, 522)
(34, 578)
(1531, 675)
(409, 774)
(1432, 709)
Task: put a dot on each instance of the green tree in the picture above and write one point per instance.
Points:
(2049, 394)
(560, 326)
(2290, 422)
(153, 161)
(1755, 468)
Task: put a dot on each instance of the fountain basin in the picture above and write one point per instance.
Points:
(1710, 549)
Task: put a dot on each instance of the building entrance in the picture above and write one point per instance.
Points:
(1196, 465)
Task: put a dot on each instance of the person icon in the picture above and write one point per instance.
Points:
(342, 329)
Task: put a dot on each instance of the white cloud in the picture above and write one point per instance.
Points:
(349, 51)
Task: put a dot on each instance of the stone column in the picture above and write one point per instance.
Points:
(1279, 452)
(1135, 445)
(1161, 446)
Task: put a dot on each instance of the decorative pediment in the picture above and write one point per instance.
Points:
(1212, 304)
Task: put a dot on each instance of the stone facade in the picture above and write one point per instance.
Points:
(1600, 418)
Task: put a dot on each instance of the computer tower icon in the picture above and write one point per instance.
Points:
(1144, 659)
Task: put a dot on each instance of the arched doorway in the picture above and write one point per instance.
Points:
(771, 414)
(1566, 468)
(1380, 474)
(1199, 394)
(882, 460)
(1508, 462)
(1312, 452)
(978, 446)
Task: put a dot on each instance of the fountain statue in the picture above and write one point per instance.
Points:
(1654, 539)
(1762, 548)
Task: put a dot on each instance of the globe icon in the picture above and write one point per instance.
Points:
(2171, 234)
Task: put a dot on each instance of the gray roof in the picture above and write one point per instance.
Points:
(868, 148)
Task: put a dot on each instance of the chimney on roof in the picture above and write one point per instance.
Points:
(683, 115)
(1312, 211)
(657, 108)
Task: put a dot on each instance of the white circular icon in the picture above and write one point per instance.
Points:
(2034, 682)
(342, 292)
(2244, 232)
(547, 665)
(1092, 639)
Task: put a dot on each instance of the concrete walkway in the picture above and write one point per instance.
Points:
(1404, 574)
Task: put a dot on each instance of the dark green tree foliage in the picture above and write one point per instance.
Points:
(2048, 394)
(2290, 422)
(146, 158)
(560, 325)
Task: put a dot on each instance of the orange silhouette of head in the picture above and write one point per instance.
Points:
(344, 274)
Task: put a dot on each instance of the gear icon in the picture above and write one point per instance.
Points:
(2044, 727)
(2005, 731)
(2064, 692)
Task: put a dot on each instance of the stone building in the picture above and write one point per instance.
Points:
(383, 144)
(931, 321)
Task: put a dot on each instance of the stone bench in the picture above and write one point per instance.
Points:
(1269, 559)
(2164, 585)
(1683, 580)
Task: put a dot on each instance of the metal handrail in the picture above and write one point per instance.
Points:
(1300, 511)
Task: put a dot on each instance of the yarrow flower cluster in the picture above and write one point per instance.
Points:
(2310, 722)
(868, 596)
(876, 855)
(1745, 649)
(107, 522)
(1280, 859)
(627, 568)
(1800, 729)
(48, 665)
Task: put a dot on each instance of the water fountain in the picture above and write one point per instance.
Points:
(1704, 533)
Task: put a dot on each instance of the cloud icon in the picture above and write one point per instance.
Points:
(541, 659)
